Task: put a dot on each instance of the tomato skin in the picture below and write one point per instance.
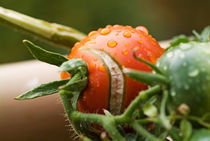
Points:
(188, 70)
(201, 135)
(119, 42)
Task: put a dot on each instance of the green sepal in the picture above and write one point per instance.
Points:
(204, 36)
(43, 90)
(179, 39)
(73, 66)
(44, 55)
(79, 80)
(74, 88)
(186, 129)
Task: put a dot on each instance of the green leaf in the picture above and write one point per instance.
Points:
(44, 55)
(186, 129)
(43, 90)
(150, 110)
(73, 66)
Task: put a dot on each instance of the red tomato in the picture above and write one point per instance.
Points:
(105, 52)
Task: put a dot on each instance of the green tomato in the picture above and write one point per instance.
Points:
(201, 135)
(187, 66)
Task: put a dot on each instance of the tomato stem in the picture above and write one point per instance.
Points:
(144, 132)
(155, 68)
(106, 121)
(143, 96)
(163, 119)
(146, 77)
(54, 33)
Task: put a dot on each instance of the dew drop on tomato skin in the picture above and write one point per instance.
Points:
(111, 43)
(125, 52)
(142, 28)
(127, 34)
(140, 41)
(119, 43)
(105, 31)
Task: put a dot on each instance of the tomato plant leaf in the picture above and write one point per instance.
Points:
(186, 129)
(44, 55)
(43, 90)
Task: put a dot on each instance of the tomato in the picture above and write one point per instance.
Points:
(187, 66)
(106, 51)
(201, 135)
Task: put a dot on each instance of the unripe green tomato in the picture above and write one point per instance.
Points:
(187, 67)
(201, 135)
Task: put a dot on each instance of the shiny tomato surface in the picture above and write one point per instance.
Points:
(118, 42)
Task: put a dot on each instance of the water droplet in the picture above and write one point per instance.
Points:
(93, 65)
(158, 64)
(125, 52)
(142, 28)
(181, 55)
(95, 59)
(165, 68)
(91, 42)
(170, 54)
(173, 93)
(170, 77)
(133, 31)
(127, 34)
(92, 33)
(140, 41)
(105, 31)
(118, 30)
(185, 46)
(102, 68)
(184, 64)
(193, 73)
(111, 43)
(186, 86)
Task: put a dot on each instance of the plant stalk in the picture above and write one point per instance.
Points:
(54, 33)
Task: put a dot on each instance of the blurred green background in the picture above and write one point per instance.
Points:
(163, 18)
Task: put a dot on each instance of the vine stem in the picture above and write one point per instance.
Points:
(143, 96)
(163, 119)
(106, 121)
(55, 33)
(193, 118)
(143, 132)
(146, 77)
